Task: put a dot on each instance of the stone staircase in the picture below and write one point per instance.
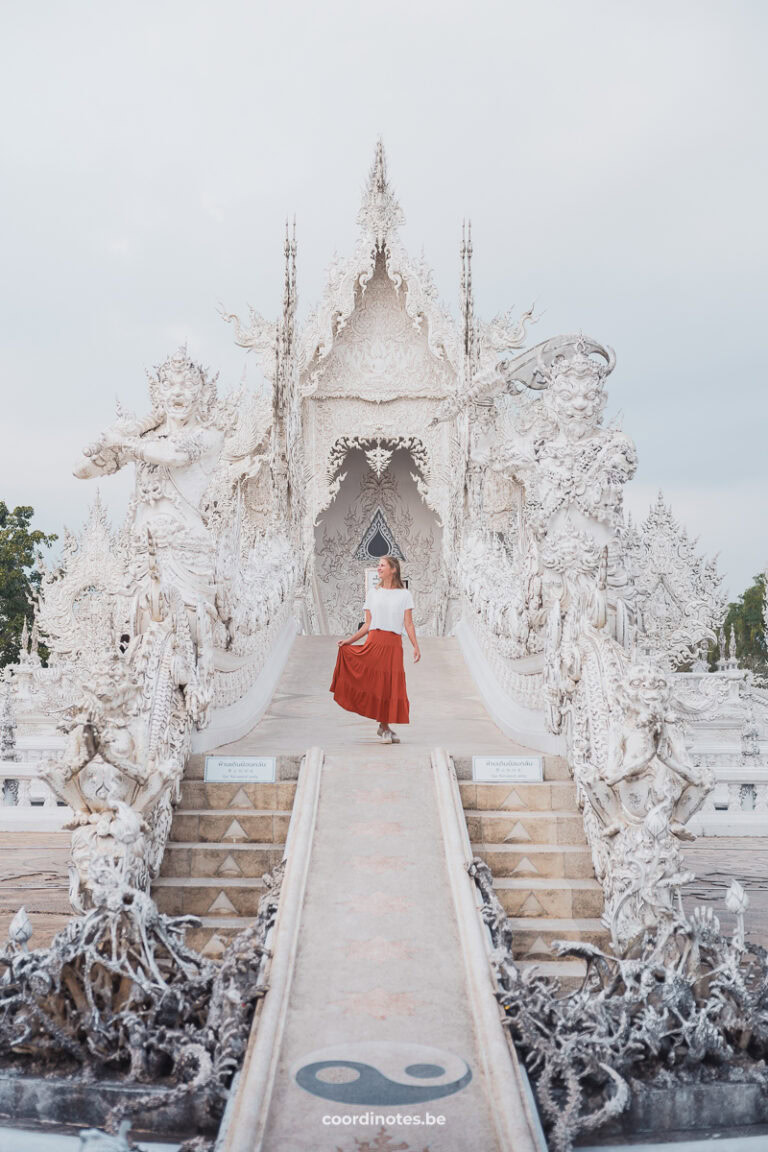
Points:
(531, 836)
(223, 838)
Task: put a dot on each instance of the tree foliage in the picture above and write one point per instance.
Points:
(745, 620)
(20, 548)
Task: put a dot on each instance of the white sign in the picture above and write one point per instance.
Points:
(507, 769)
(240, 769)
(371, 579)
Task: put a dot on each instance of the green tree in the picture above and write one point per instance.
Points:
(746, 620)
(20, 548)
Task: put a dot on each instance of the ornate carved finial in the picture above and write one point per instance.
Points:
(380, 213)
(468, 317)
(286, 330)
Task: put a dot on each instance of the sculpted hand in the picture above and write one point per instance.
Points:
(111, 438)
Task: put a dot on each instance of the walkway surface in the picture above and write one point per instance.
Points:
(379, 981)
(446, 708)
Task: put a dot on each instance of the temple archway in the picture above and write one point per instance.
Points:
(377, 509)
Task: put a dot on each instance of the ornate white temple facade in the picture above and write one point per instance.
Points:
(478, 457)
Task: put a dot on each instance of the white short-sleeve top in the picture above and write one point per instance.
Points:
(387, 607)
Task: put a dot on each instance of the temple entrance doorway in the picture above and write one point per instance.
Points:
(377, 509)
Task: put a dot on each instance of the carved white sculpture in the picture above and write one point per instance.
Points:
(637, 784)
(176, 451)
(678, 596)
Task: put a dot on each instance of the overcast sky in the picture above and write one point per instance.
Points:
(611, 155)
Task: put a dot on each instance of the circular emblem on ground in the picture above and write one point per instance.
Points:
(381, 1072)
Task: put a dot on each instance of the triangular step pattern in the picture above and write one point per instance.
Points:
(215, 947)
(517, 834)
(229, 867)
(531, 906)
(240, 800)
(222, 906)
(539, 948)
(235, 832)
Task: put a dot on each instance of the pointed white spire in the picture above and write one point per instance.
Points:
(380, 213)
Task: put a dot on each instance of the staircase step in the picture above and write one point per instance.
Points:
(546, 827)
(568, 973)
(222, 825)
(215, 932)
(532, 937)
(220, 860)
(196, 794)
(572, 861)
(190, 896)
(538, 896)
(559, 794)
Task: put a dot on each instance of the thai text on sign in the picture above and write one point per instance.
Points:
(507, 769)
(239, 769)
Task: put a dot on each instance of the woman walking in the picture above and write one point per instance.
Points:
(369, 678)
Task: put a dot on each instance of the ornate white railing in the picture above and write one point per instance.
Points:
(525, 687)
(737, 805)
(27, 804)
(234, 674)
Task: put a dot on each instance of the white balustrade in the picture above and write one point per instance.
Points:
(737, 805)
(27, 804)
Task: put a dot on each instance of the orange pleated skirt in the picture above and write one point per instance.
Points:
(369, 678)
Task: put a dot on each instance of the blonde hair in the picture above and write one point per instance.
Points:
(394, 565)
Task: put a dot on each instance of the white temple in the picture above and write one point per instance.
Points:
(479, 457)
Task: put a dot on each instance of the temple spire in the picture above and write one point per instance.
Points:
(467, 297)
(286, 331)
(380, 213)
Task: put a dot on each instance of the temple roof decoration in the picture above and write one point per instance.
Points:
(679, 597)
(379, 220)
